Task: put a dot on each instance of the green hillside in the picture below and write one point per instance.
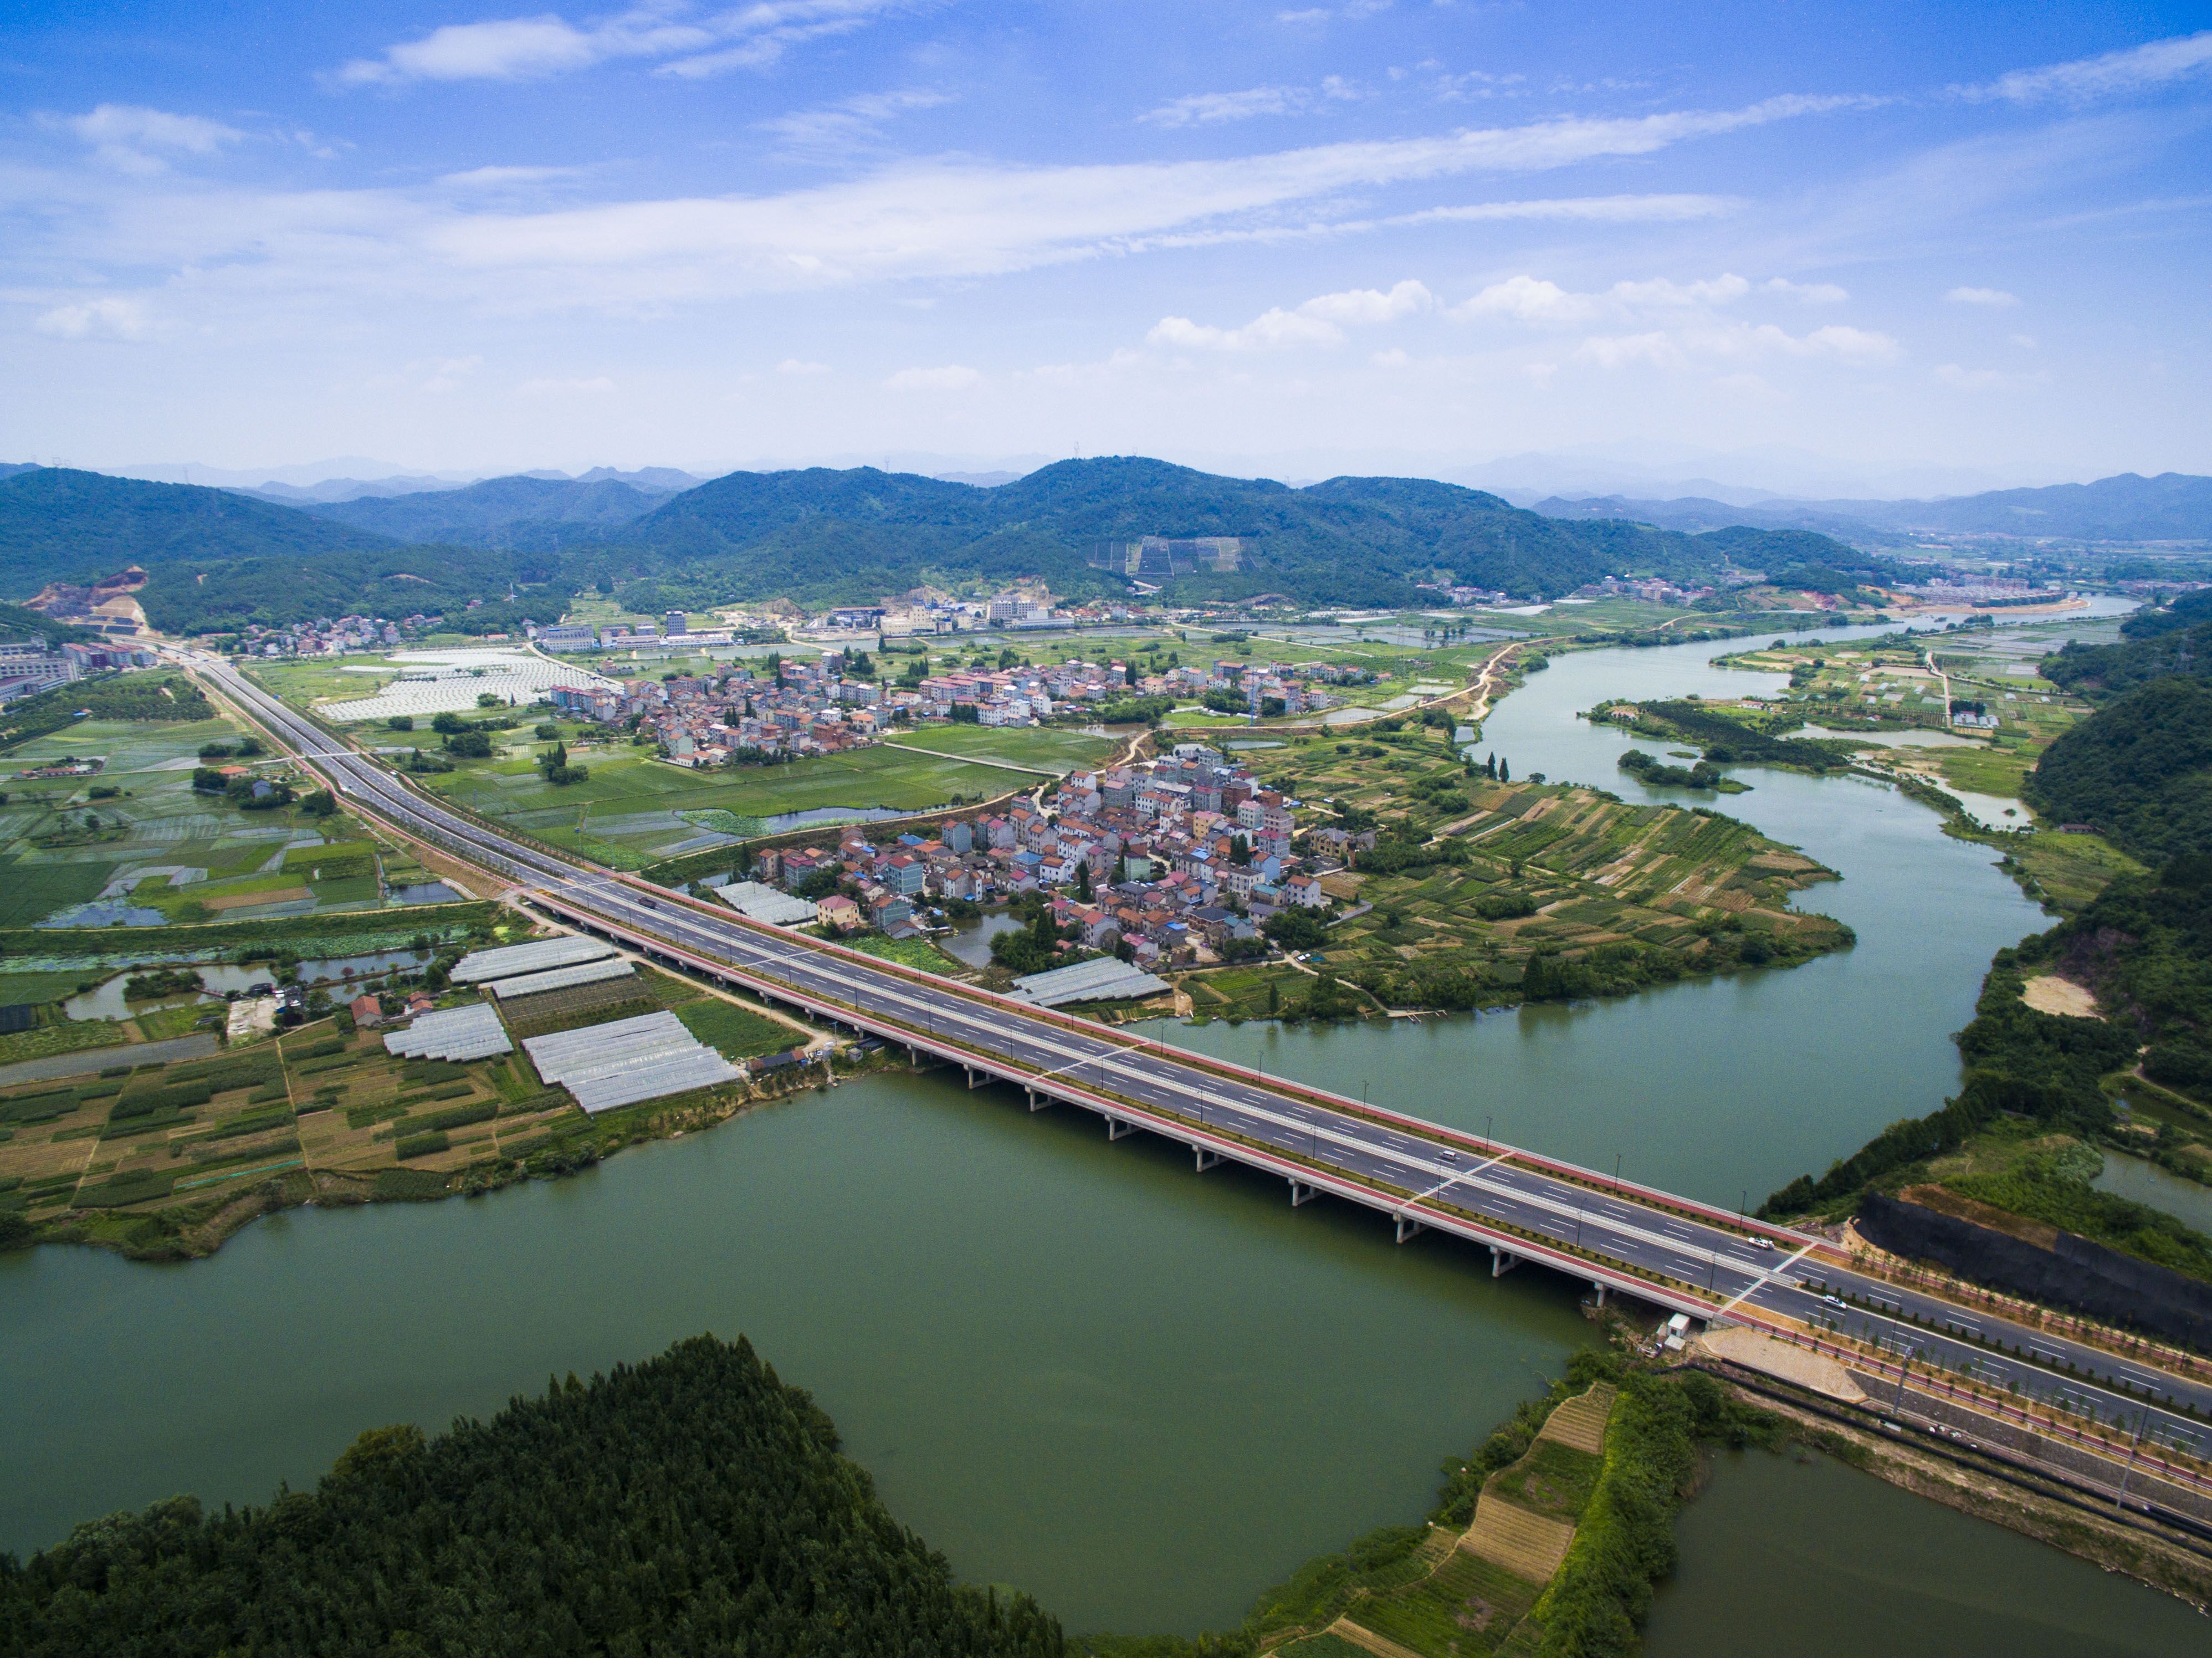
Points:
(526, 512)
(60, 525)
(216, 559)
(820, 535)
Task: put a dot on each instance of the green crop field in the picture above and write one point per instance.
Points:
(1048, 748)
(737, 1033)
(625, 812)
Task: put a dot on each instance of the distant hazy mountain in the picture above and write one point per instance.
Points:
(2171, 506)
(519, 512)
(1696, 514)
(653, 480)
(980, 480)
(330, 490)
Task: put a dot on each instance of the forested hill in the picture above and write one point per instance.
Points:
(691, 1506)
(217, 558)
(60, 525)
(856, 535)
(529, 513)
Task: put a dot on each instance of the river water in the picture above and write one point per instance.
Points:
(1141, 1393)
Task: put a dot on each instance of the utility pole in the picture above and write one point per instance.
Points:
(2142, 1425)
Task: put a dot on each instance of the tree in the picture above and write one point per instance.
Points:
(1082, 879)
(1505, 772)
(320, 804)
(1129, 674)
(1490, 767)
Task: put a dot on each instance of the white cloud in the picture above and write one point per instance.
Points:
(836, 128)
(1363, 306)
(110, 317)
(2133, 68)
(1679, 347)
(1320, 321)
(251, 249)
(686, 41)
(797, 366)
(1539, 302)
(2025, 342)
(1271, 330)
(597, 386)
(1810, 292)
(1210, 108)
(1995, 298)
(1529, 300)
(125, 136)
(953, 377)
(1657, 293)
(500, 178)
(1985, 379)
(1395, 357)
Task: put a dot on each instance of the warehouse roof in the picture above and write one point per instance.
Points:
(535, 958)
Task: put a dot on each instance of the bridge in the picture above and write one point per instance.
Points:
(1520, 1206)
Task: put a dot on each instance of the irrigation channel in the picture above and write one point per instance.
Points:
(1139, 1394)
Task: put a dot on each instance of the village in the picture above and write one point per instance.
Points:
(1174, 863)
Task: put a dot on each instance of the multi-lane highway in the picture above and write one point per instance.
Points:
(1672, 1251)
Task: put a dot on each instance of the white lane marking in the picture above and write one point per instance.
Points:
(1764, 1278)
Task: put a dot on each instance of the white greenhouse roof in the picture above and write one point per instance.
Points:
(473, 1032)
(626, 1061)
(560, 978)
(756, 903)
(1106, 979)
(539, 956)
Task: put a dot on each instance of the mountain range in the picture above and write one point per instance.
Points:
(522, 544)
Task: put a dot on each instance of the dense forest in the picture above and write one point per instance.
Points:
(692, 1504)
(216, 559)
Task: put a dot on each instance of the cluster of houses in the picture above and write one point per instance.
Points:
(335, 635)
(1180, 858)
(778, 711)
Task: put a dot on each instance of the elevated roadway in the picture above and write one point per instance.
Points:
(1619, 1236)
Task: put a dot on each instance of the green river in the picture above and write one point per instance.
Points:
(1139, 1393)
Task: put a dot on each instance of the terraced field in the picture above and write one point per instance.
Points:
(1472, 881)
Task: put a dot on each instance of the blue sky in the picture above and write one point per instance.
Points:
(1361, 236)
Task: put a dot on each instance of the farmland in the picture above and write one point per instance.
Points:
(1479, 892)
(167, 1159)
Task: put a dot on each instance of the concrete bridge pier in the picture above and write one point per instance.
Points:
(1206, 1159)
(1115, 1128)
(1502, 1261)
(1037, 1102)
(1302, 1193)
(972, 1083)
(1600, 1288)
(1407, 1228)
